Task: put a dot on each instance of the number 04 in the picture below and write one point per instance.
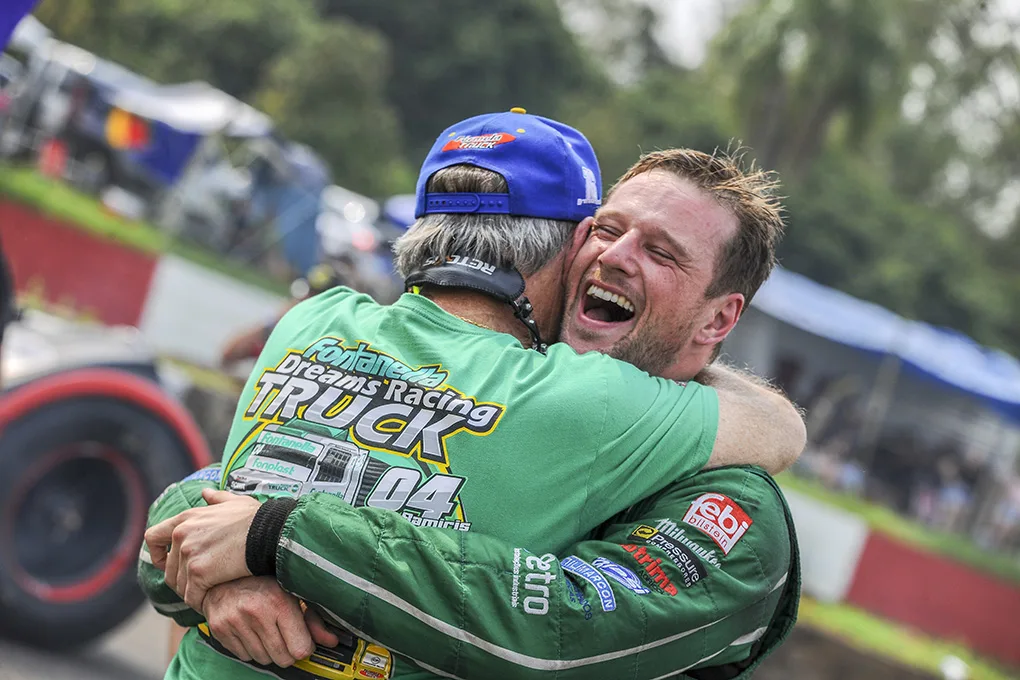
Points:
(396, 490)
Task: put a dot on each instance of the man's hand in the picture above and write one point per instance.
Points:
(203, 547)
(256, 620)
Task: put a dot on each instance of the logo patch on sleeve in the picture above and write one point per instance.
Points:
(205, 474)
(575, 565)
(644, 532)
(621, 574)
(719, 518)
(683, 557)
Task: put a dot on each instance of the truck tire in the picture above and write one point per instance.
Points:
(82, 461)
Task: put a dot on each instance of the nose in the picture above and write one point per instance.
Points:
(621, 254)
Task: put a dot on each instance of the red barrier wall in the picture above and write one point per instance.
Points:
(938, 596)
(73, 267)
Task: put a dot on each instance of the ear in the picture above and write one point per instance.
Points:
(581, 232)
(725, 312)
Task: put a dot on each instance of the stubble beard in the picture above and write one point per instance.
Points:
(652, 352)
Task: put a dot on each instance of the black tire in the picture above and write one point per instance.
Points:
(78, 477)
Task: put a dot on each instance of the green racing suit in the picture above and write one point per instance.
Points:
(462, 556)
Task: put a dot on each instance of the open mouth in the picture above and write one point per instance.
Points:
(601, 305)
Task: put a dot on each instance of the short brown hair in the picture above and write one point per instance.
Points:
(746, 261)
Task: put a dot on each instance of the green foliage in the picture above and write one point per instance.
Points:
(224, 43)
(669, 107)
(327, 91)
(458, 58)
(869, 633)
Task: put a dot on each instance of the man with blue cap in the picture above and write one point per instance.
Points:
(366, 497)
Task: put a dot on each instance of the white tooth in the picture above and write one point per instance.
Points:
(614, 298)
(603, 294)
(591, 290)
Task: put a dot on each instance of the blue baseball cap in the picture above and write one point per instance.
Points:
(550, 168)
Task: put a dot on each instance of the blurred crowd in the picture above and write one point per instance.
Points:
(944, 481)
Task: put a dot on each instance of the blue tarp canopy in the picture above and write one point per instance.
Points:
(945, 355)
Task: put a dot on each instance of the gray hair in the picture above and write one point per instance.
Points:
(523, 243)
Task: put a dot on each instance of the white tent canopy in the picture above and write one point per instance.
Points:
(196, 107)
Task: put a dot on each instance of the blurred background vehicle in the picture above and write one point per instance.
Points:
(90, 437)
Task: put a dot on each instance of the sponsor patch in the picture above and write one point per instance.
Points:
(651, 570)
(478, 142)
(669, 528)
(205, 474)
(621, 574)
(538, 574)
(679, 554)
(575, 565)
(279, 467)
(591, 189)
(273, 487)
(720, 518)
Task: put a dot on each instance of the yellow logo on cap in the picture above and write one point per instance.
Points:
(517, 109)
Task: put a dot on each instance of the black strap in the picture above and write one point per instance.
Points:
(505, 285)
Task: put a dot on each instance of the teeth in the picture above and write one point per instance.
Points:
(602, 294)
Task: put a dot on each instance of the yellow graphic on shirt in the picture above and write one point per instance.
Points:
(359, 424)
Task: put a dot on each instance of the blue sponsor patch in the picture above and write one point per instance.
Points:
(575, 565)
(205, 474)
(622, 575)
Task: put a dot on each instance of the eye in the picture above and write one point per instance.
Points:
(662, 255)
(605, 231)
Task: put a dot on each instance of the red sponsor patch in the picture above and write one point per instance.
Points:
(478, 141)
(652, 571)
(720, 518)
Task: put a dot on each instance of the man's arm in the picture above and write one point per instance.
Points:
(723, 417)
(253, 620)
(758, 425)
(654, 595)
(177, 498)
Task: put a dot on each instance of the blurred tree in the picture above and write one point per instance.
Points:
(896, 128)
(328, 92)
(619, 35)
(848, 229)
(173, 41)
(801, 70)
(668, 107)
(456, 58)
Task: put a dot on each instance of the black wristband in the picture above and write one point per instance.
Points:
(264, 535)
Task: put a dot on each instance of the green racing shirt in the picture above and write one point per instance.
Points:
(445, 475)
